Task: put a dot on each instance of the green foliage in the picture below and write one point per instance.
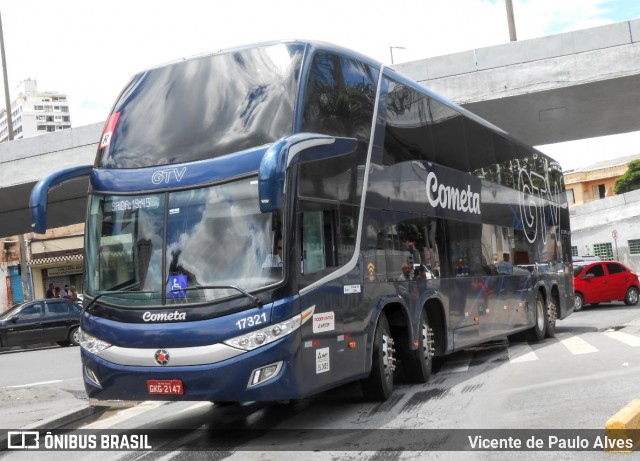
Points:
(630, 180)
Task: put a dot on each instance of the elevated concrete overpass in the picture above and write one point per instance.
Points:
(547, 90)
(564, 87)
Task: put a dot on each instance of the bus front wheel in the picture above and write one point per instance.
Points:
(379, 385)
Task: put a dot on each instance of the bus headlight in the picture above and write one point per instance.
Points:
(264, 336)
(91, 344)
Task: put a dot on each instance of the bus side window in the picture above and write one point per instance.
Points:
(318, 241)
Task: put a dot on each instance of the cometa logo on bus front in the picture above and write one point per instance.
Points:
(163, 316)
(450, 197)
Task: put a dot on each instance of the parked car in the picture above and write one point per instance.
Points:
(603, 281)
(585, 259)
(40, 321)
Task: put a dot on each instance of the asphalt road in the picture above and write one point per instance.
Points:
(575, 381)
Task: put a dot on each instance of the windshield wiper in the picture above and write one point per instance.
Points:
(254, 301)
(107, 293)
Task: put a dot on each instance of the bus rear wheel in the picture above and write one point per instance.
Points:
(552, 316)
(539, 329)
(379, 385)
(417, 364)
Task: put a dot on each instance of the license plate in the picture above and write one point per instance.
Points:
(165, 387)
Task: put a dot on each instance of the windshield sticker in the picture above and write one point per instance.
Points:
(177, 283)
(134, 204)
(322, 360)
(174, 211)
(109, 128)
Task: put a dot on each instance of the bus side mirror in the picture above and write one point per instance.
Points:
(302, 147)
(40, 192)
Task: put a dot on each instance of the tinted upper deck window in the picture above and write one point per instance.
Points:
(205, 107)
(339, 97)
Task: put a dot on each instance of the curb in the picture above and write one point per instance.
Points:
(62, 419)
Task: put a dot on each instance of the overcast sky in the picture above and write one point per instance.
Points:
(89, 49)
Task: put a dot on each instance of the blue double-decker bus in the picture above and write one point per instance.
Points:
(268, 222)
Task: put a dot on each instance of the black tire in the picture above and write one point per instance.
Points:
(539, 329)
(552, 316)
(579, 303)
(418, 364)
(378, 386)
(631, 298)
(74, 336)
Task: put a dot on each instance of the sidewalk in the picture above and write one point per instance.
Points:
(42, 407)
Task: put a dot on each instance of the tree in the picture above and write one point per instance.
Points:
(630, 180)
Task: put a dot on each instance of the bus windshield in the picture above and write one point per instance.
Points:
(213, 236)
(204, 108)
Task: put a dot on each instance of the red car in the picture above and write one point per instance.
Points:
(604, 281)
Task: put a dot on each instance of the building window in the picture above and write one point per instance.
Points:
(42, 127)
(634, 246)
(571, 200)
(603, 250)
(38, 107)
(574, 250)
(599, 191)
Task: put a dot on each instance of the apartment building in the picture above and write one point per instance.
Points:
(35, 112)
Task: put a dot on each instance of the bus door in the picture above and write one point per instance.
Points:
(332, 343)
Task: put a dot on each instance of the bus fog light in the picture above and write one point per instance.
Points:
(260, 375)
(91, 376)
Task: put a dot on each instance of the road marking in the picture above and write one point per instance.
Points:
(123, 415)
(461, 363)
(521, 353)
(35, 384)
(626, 338)
(196, 406)
(576, 345)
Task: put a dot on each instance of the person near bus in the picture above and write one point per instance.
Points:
(50, 292)
(505, 267)
(275, 259)
(406, 273)
(462, 270)
(73, 294)
(65, 293)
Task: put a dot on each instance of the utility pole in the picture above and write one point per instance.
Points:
(391, 48)
(511, 21)
(7, 102)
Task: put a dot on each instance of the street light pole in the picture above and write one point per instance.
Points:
(511, 21)
(7, 102)
(391, 51)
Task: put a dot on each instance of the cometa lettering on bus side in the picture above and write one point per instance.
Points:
(451, 197)
(163, 316)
